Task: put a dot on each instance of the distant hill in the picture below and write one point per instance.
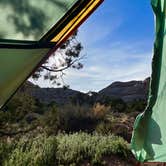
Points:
(127, 91)
(48, 95)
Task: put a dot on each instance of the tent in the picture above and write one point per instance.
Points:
(149, 137)
(31, 30)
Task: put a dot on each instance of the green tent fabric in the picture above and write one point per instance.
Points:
(30, 31)
(30, 19)
(15, 67)
(148, 142)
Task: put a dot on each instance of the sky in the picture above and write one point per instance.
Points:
(118, 43)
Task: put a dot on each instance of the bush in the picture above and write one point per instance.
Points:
(138, 105)
(5, 149)
(104, 127)
(106, 124)
(40, 151)
(62, 150)
(74, 148)
(100, 110)
(51, 120)
(18, 107)
(76, 118)
(118, 105)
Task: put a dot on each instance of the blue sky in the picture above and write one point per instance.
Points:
(118, 42)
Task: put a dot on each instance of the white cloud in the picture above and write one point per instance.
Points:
(102, 70)
(103, 66)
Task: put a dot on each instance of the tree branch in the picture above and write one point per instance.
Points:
(64, 68)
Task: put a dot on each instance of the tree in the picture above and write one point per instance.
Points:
(21, 105)
(67, 56)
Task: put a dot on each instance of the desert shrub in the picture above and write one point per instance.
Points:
(40, 151)
(69, 118)
(100, 110)
(5, 149)
(74, 148)
(41, 108)
(106, 124)
(51, 120)
(118, 105)
(18, 107)
(5, 117)
(79, 99)
(104, 127)
(62, 150)
(138, 105)
(74, 118)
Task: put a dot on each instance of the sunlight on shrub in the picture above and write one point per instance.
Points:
(40, 151)
(62, 150)
(100, 110)
(74, 148)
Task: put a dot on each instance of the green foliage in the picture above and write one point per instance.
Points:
(75, 121)
(106, 124)
(62, 150)
(20, 105)
(138, 105)
(118, 105)
(5, 149)
(100, 110)
(75, 118)
(51, 120)
(40, 151)
(104, 127)
(74, 148)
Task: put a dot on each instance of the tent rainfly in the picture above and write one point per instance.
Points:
(149, 137)
(45, 25)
